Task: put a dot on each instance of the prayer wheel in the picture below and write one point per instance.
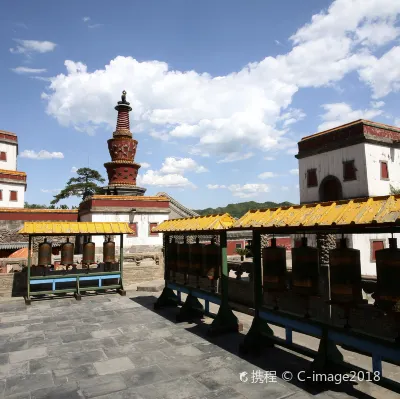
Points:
(274, 267)
(212, 261)
(388, 276)
(183, 257)
(305, 269)
(44, 253)
(345, 274)
(109, 251)
(196, 258)
(67, 253)
(172, 255)
(88, 253)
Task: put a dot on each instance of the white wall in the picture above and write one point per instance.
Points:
(7, 187)
(142, 221)
(363, 243)
(331, 163)
(11, 150)
(374, 154)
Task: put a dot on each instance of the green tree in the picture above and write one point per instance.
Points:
(394, 190)
(34, 206)
(82, 186)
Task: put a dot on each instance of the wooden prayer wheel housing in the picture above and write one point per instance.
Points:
(44, 258)
(67, 253)
(212, 261)
(274, 267)
(305, 269)
(109, 251)
(172, 256)
(345, 274)
(196, 258)
(183, 257)
(88, 256)
(388, 276)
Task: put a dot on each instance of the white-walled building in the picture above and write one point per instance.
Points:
(359, 159)
(12, 182)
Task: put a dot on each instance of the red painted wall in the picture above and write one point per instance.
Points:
(283, 242)
(231, 246)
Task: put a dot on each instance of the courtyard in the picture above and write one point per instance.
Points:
(108, 346)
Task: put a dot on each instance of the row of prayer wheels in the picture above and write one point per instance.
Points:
(67, 253)
(195, 259)
(344, 269)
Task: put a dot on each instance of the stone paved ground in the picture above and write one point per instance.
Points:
(107, 346)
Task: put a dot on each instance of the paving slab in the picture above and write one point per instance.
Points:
(113, 366)
(28, 354)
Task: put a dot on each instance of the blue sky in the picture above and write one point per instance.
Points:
(221, 91)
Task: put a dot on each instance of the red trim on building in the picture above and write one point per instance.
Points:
(10, 176)
(127, 203)
(349, 134)
(4, 135)
(42, 216)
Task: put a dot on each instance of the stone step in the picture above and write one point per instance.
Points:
(151, 286)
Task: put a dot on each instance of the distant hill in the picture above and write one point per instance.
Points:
(238, 210)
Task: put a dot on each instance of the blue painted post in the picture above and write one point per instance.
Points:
(28, 273)
(289, 335)
(99, 282)
(377, 363)
(53, 286)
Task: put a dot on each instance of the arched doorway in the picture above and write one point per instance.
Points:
(330, 189)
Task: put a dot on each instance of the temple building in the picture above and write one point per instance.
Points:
(358, 159)
(123, 200)
(12, 182)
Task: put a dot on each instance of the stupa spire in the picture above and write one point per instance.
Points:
(122, 170)
(123, 107)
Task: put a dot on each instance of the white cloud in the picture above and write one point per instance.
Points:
(154, 178)
(236, 156)
(285, 188)
(215, 186)
(42, 154)
(340, 113)
(248, 190)
(74, 169)
(381, 74)
(294, 171)
(292, 151)
(145, 165)
(181, 165)
(267, 175)
(22, 70)
(86, 19)
(243, 191)
(291, 116)
(269, 158)
(377, 104)
(32, 46)
(94, 26)
(50, 190)
(249, 108)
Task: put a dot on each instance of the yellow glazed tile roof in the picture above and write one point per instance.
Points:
(12, 172)
(198, 223)
(49, 228)
(372, 211)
